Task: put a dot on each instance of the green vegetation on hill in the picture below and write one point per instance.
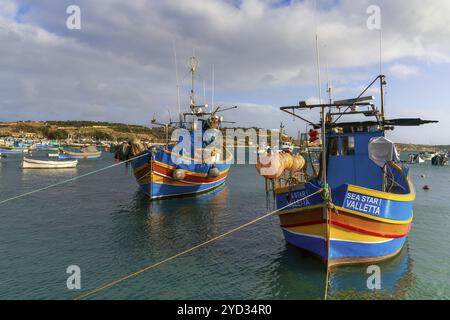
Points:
(420, 147)
(79, 129)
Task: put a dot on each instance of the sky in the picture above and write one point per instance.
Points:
(120, 65)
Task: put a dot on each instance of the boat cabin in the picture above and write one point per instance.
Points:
(357, 153)
(348, 159)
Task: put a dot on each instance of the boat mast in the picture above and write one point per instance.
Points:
(329, 89)
(178, 83)
(193, 63)
(322, 115)
(325, 192)
(212, 88)
(382, 77)
(382, 84)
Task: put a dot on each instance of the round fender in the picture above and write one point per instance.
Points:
(178, 174)
(214, 172)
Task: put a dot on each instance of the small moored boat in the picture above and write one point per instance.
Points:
(43, 164)
(10, 151)
(86, 153)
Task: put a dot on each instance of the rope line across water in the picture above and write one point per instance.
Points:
(69, 180)
(134, 274)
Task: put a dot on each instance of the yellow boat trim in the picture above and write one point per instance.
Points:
(290, 189)
(156, 178)
(337, 233)
(385, 195)
(375, 217)
(228, 159)
(191, 173)
(411, 196)
(349, 211)
(316, 206)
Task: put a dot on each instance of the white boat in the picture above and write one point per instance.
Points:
(41, 164)
(427, 155)
(415, 158)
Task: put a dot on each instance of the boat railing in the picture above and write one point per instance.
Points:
(395, 179)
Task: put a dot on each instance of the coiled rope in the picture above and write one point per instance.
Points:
(134, 274)
(69, 180)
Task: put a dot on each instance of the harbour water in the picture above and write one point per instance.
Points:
(105, 226)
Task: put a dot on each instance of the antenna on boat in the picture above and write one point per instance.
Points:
(318, 68)
(382, 84)
(193, 64)
(212, 89)
(170, 116)
(178, 82)
(382, 77)
(329, 89)
(322, 115)
(204, 93)
(381, 47)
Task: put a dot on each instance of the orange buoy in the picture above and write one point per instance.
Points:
(272, 165)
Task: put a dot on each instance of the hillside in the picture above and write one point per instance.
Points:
(61, 130)
(420, 147)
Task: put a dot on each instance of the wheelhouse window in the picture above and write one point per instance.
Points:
(348, 146)
(333, 146)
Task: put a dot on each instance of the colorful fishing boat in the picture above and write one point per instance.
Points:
(194, 163)
(11, 151)
(47, 147)
(85, 153)
(359, 207)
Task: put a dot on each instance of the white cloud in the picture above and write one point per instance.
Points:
(402, 71)
(8, 9)
(119, 66)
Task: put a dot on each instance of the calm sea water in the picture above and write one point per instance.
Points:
(105, 226)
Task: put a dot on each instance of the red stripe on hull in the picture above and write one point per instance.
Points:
(169, 173)
(349, 227)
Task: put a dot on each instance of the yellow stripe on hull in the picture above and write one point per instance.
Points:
(368, 216)
(228, 159)
(336, 233)
(164, 165)
(155, 178)
(385, 195)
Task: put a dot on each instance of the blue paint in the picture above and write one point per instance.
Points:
(162, 190)
(345, 249)
(356, 169)
(311, 244)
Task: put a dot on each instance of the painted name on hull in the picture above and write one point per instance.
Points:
(362, 203)
(297, 196)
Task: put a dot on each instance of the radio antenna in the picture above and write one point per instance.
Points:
(212, 89)
(318, 57)
(178, 82)
(381, 48)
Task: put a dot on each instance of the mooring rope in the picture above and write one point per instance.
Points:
(70, 180)
(136, 273)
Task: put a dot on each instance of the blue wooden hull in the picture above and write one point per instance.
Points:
(154, 174)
